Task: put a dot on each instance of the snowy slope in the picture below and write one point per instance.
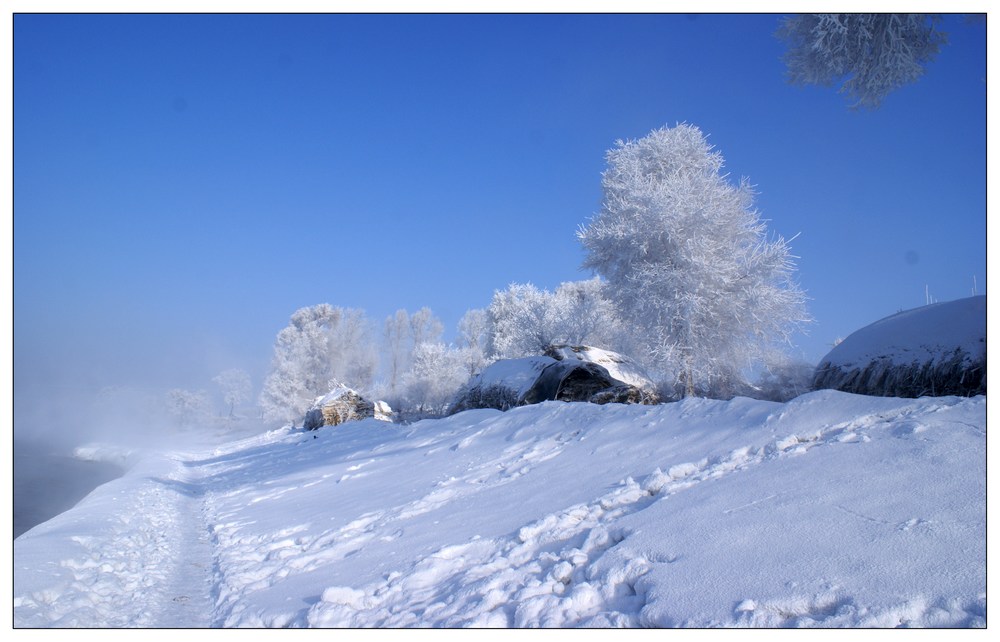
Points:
(830, 510)
(920, 335)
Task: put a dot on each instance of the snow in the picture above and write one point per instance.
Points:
(618, 366)
(333, 395)
(517, 375)
(831, 510)
(920, 335)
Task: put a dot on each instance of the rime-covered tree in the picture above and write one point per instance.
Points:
(188, 407)
(435, 375)
(581, 314)
(473, 328)
(235, 385)
(397, 348)
(354, 351)
(321, 345)
(402, 334)
(687, 260)
(473, 338)
(425, 327)
(870, 54)
(517, 321)
(525, 320)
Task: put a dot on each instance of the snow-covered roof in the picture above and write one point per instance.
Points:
(517, 375)
(333, 395)
(618, 366)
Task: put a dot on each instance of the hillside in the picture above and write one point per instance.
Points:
(832, 510)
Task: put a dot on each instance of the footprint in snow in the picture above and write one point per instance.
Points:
(908, 429)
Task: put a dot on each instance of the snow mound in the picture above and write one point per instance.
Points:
(935, 350)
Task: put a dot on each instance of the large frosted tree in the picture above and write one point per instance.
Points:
(871, 54)
(688, 262)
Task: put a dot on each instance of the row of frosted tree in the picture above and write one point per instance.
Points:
(687, 283)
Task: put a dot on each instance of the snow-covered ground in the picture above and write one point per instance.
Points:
(832, 510)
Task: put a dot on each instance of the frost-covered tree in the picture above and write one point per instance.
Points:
(687, 260)
(425, 327)
(581, 314)
(235, 386)
(517, 320)
(321, 345)
(402, 334)
(436, 374)
(397, 348)
(525, 320)
(189, 408)
(473, 338)
(354, 351)
(474, 328)
(784, 379)
(870, 54)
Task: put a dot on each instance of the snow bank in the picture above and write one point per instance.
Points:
(830, 510)
(938, 349)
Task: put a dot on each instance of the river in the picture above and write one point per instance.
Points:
(48, 482)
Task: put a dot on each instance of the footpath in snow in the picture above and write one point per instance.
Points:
(832, 510)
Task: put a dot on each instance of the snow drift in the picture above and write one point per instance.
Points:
(832, 510)
(935, 350)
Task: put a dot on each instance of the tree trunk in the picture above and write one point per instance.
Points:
(688, 377)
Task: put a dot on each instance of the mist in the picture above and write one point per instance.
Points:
(85, 407)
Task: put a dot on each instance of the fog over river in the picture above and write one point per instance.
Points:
(48, 481)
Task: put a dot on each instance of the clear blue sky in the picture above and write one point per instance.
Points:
(183, 183)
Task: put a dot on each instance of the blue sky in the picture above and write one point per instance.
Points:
(183, 183)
